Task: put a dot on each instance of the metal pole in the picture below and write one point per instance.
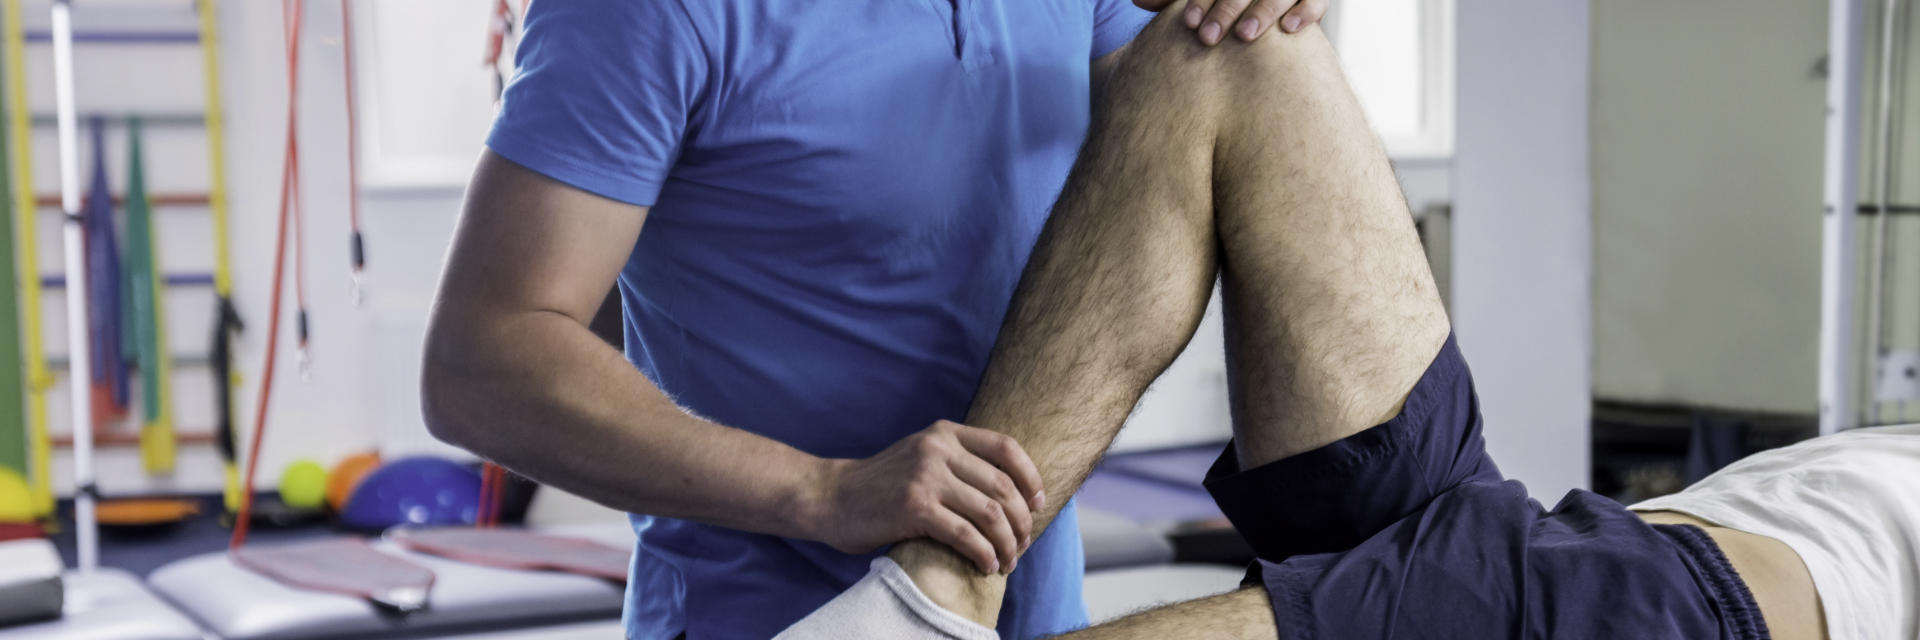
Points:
(1878, 257)
(1838, 349)
(1883, 182)
(80, 374)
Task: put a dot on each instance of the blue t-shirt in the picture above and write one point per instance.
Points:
(843, 196)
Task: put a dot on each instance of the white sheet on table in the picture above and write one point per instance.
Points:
(1848, 504)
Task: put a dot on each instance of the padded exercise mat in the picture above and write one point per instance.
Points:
(30, 588)
(1119, 592)
(1185, 466)
(517, 549)
(346, 566)
(236, 603)
(1145, 501)
(109, 604)
(1112, 542)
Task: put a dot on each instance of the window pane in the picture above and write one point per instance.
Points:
(1380, 45)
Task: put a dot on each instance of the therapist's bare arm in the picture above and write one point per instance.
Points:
(512, 372)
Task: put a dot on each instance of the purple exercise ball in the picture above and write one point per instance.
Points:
(415, 491)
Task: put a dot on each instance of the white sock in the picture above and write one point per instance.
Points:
(885, 604)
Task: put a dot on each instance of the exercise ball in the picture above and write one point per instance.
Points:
(417, 491)
(16, 501)
(304, 485)
(346, 476)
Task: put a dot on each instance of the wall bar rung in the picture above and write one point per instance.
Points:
(173, 280)
(155, 119)
(122, 37)
(52, 201)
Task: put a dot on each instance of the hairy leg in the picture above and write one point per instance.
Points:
(1242, 613)
(1331, 311)
(1332, 314)
(1252, 157)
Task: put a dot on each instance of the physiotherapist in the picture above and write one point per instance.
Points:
(837, 199)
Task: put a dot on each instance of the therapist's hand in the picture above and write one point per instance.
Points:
(1245, 19)
(971, 489)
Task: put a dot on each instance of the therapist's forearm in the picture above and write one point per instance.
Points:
(537, 392)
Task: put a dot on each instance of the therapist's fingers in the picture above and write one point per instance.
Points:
(1307, 13)
(960, 534)
(1005, 453)
(1195, 14)
(996, 485)
(987, 517)
(1222, 17)
(1195, 11)
(1260, 18)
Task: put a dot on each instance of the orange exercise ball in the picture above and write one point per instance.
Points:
(347, 475)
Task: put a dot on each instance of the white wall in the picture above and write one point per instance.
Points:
(1521, 241)
(364, 359)
(1707, 148)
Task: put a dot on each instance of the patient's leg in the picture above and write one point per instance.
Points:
(1331, 312)
(1255, 158)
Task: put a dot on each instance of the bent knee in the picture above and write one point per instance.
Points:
(1167, 51)
(1166, 56)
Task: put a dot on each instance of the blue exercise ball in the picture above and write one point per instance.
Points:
(415, 491)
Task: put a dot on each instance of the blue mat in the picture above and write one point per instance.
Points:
(1185, 466)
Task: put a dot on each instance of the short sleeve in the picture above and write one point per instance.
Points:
(603, 95)
(1115, 23)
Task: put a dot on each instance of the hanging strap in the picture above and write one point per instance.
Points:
(290, 170)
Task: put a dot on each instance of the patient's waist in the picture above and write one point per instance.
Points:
(1777, 577)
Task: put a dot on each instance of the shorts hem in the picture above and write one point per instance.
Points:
(1286, 589)
(1358, 484)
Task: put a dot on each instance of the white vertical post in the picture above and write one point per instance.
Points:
(1839, 219)
(79, 352)
(1522, 232)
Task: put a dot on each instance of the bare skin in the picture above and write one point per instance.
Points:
(1331, 312)
(1776, 576)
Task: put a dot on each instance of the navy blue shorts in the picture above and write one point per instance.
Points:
(1407, 530)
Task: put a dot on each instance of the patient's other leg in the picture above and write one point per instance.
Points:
(1242, 613)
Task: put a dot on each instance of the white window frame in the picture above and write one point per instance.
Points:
(1433, 141)
(384, 169)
